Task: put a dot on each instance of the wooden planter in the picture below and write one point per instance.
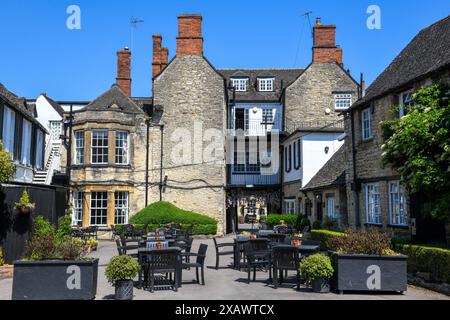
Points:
(357, 272)
(55, 280)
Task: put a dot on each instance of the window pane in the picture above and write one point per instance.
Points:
(121, 207)
(122, 147)
(99, 208)
(77, 214)
(100, 146)
(26, 143)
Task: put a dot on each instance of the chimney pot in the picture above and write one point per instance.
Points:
(318, 21)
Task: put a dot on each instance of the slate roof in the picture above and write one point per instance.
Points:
(332, 174)
(428, 52)
(20, 104)
(112, 99)
(283, 78)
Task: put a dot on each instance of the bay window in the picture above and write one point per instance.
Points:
(99, 146)
(120, 207)
(122, 147)
(79, 147)
(99, 208)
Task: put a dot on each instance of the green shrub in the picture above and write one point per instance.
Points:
(371, 241)
(43, 228)
(274, 219)
(42, 248)
(25, 201)
(121, 268)
(7, 167)
(70, 249)
(323, 236)
(317, 224)
(162, 213)
(316, 266)
(427, 259)
(64, 227)
(2, 260)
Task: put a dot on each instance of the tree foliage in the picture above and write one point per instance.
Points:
(418, 146)
(7, 168)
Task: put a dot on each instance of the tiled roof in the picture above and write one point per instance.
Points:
(331, 174)
(283, 78)
(113, 99)
(428, 52)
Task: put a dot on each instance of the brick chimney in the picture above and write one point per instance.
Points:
(123, 79)
(160, 56)
(325, 49)
(190, 40)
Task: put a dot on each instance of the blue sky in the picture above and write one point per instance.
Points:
(40, 54)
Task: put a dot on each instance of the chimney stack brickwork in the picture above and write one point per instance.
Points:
(325, 49)
(160, 56)
(123, 79)
(190, 39)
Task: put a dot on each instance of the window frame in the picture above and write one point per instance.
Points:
(99, 147)
(402, 101)
(289, 205)
(79, 149)
(8, 144)
(366, 122)
(400, 192)
(39, 152)
(27, 135)
(99, 208)
(339, 99)
(77, 205)
(331, 214)
(240, 84)
(371, 205)
(127, 148)
(263, 84)
(122, 204)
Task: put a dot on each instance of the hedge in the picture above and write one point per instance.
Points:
(435, 261)
(274, 219)
(162, 213)
(323, 236)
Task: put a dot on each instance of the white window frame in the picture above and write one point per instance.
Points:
(289, 206)
(121, 209)
(397, 204)
(77, 208)
(9, 126)
(122, 151)
(331, 210)
(102, 147)
(405, 98)
(373, 203)
(55, 130)
(99, 209)
(268, 114)
(265, 84)
(342, 101)
(27, 129)
(239, 84)
(79, 146)
(366, 124)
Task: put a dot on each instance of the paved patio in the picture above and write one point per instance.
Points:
(227, 283)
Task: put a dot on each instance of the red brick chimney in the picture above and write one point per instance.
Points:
(325, 49)
(160, 56)
(123, 79)
(190, 40)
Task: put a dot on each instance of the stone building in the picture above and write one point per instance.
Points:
(375, 194)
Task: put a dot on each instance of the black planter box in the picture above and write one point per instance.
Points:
(357, 272)
(55, 280)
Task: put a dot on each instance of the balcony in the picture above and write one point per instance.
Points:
(254, 127)
(252, 175)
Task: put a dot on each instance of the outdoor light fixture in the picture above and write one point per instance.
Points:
(327, 149)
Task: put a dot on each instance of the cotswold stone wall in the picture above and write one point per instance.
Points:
(111, 177)
(368, 157)
(192, 96)
(313, 92)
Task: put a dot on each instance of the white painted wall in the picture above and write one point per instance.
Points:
(46, 113)
(255, 117)
(313, 156)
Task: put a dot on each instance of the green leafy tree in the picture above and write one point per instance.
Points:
(7, 168)
(418, 147)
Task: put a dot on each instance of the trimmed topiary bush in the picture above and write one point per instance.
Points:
(316, 266)
(162, 213)
(121, 268)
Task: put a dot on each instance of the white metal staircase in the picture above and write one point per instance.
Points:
(53, 162)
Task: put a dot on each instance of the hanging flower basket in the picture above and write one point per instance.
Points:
(24, 206)
(24, 209)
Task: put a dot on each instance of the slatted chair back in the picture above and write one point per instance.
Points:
(161, 260)
(286, 258)
(119, 247)
(277, 237)
(258, 244)
(202, 253)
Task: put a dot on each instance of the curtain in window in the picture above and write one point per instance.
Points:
(9, 127)
(26, 143)
(40, 150)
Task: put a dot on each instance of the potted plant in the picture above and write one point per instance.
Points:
(364, 261)
(92, 244)
(318, 270)
(53, 257)
(24, 205)
(120, 272)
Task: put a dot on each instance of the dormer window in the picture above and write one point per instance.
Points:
(405, 99)
(342, 101)
(240, 84)
(265, 84)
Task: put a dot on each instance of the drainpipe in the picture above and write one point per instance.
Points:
(161, 163)
(355, 177)
(146, 163)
